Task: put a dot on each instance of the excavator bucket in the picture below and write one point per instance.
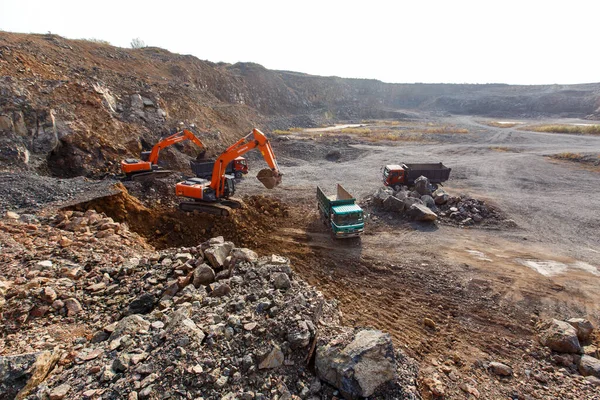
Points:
(268, 178)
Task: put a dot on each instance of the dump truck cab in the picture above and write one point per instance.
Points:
(393, 174)
(347, 221)
(340, 213)
(240, 167)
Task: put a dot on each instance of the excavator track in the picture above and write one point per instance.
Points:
(147, 176)
(209, 208)
(233, 202)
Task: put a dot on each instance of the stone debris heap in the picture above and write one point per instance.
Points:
(571, 342)
(426, 202)
(213, 322)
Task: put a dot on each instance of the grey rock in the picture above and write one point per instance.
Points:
(560, 336)
(183, 257)
(137, 102)
(428, 201)
(299, 337)
(359, 368)
(129, 325)
(500, 369)
(144, 304)
(121, 363)
(19, 374)
(243, 254)
(409, 201)
(203, 275)
(381, 194)
(217, 253)
(392, 203)
(422, 186)
(420, 212)
(281, 280)
(440, 196)
(593, 380)
(274, 359)
(73, 306)
(219, 289)
(583, 327)
(589, 366)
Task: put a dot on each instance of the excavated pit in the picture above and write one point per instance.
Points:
(166, 226)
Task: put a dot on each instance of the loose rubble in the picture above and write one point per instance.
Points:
(427, 203)
(572, 339)
(212, 321)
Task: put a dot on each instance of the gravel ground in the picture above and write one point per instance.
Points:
(25, 192)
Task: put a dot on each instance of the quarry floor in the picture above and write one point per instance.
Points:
(485, 288)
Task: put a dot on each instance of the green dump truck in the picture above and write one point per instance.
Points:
(340, 213)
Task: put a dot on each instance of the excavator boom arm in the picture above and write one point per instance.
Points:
(170, 140)
(255, 139)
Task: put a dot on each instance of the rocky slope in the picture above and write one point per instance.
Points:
(89, 310)
(75, 107)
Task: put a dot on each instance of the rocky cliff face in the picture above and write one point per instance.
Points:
(75, 107)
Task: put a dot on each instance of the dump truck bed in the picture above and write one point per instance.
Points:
(435, 172)
(204, 168)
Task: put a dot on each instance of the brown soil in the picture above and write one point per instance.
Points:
(483, 309)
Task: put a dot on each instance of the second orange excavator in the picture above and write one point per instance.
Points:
(135, 169)
(214, 196)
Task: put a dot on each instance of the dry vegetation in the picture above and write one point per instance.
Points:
(587, 160)
(501, 124)
(571, 129)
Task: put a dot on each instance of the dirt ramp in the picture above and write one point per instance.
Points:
(166, 227)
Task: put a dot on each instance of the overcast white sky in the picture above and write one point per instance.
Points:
(450, 41)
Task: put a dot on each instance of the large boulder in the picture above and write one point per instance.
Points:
(422, 185)
(560, 336)
(392, 203)
(409, 201)
(440, 196)
(381, 194)
(203, 275)
(428, 201)
(583, 327)
(360, 367)
(420, 212)
(243, 254)
(22, 373)
(216, 254)
(589, 366)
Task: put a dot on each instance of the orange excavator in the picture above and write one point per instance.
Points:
(135, 169)
(214, 196)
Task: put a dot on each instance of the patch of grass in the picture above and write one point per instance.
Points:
(356, 131)
(590, 160)
(499, 124)
(571, 129)
(500, 148)
(568, 156)
(287, 132)
(444, 129)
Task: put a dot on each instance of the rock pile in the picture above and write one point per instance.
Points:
(426, 202)
(571, 341)
(212, 321)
